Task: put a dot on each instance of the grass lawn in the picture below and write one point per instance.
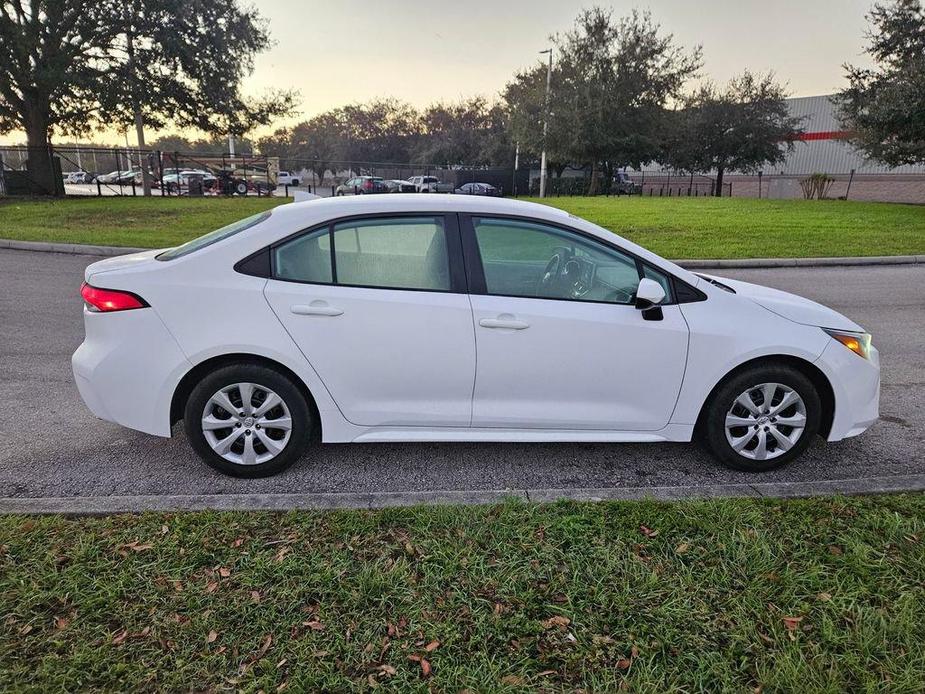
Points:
(128, 221)
(672, 227)
(749, 228)
(735, 595)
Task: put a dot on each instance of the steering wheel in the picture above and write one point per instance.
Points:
(550, 283)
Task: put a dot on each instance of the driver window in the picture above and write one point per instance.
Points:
(531, 259)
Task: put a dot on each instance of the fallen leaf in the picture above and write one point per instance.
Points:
(164, 530)
(623, 664)
(267, 642)
(224, 572)
(387, 669)
(792, 623)
(26, 629)
(557, 621)
(61, 622)
(211, 586)
(212, 636)
(255, 595)
(648, 532)
(432, 646)
(373, 682)
(682, 548)
(120, 636)
(425, 667)
(824, 597)
(512, 680)
(314, 625)
(238, 542)
(835, 550)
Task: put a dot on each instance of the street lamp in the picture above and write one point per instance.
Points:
(545, 124)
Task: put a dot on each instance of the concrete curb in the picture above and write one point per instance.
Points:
(70, 248)
(743, 263)
(102, 505)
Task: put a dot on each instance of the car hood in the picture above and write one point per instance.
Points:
(790, 306)
(121, 262)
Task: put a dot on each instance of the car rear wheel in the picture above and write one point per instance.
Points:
(762, 418)
(247, 420)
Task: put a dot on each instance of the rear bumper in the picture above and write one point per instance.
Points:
(127, 369)
(856, 384)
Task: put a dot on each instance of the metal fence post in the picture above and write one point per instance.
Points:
(850, 179)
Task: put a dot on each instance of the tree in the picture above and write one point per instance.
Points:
(67, 65)
(611, 82)
(739, 128)
(884, 108)
(470, 131)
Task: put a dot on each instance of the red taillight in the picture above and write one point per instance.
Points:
(368, 185)
(105, 300)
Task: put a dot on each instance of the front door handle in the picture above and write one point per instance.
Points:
(504, 322)
(315, 308)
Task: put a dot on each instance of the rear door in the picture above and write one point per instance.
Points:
(378, 307)
(560, 344)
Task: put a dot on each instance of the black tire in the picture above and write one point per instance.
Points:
(294, 182)
(300, 411)
(713, 424)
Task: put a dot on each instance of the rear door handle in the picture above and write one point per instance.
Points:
(315, 308)
(504, 323)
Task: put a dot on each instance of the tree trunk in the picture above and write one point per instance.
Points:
(139, 120)
(719, 183)
(595, 176)
(39, 164)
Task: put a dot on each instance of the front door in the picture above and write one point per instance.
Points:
(560, 344)
(373, 305)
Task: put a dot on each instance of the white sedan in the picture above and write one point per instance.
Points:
(457, 318)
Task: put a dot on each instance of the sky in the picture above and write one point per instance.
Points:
(336, 53)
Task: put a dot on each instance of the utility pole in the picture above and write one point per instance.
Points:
(230, 145)
(545, 124)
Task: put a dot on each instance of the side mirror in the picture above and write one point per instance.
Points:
(649, 294)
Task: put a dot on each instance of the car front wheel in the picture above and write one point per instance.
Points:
(762, 418)
(247, 420)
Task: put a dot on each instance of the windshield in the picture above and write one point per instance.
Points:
(215, 236)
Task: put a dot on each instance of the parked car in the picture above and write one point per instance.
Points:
(118, 177)
(284, 178)
(430, 184)
(359, 322)
(395, 185)
(478, 189)
(76, 177)
(624, 185)
(362, 185)
(175, 181)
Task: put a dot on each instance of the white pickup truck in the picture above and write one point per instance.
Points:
(430, 184)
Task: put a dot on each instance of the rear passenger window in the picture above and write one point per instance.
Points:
(403, 253)
(305, 259)
(398, 253)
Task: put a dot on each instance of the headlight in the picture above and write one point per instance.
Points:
(859, 343)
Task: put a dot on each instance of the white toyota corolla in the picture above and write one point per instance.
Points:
(457, 318)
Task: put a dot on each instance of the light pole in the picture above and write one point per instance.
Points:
(545, 124)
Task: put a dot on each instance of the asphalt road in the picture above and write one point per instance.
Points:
(53, 446)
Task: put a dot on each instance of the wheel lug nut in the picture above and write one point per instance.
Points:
(257, 426)
(767, 428)
(238, 425)
(247, 432)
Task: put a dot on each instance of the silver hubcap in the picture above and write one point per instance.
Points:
(246, 423)
(765, 421)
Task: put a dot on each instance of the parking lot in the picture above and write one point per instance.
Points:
(55, 448)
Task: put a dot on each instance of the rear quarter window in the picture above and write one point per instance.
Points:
(215, 236)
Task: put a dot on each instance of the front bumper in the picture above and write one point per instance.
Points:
(856, 385)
